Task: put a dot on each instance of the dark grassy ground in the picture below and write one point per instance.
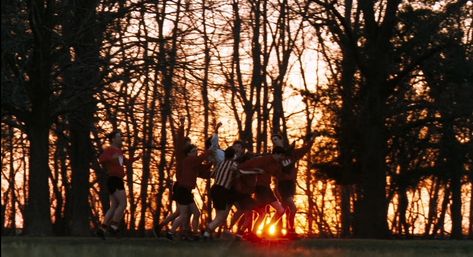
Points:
(130, 247)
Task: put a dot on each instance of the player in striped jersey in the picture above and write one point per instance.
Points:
(220, 192)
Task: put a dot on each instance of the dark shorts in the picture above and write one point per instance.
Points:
(221, 197)
(182, 195)
(245, 202)
(264, 195)
(115, 184)
(286, 188)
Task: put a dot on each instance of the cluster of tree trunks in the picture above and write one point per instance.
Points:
(394, 112)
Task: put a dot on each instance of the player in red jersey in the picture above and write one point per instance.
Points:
(113, 160)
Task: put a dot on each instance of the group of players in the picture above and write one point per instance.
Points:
(240, 178)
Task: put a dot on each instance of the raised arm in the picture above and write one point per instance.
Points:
(132, 159)
(214, 138)
(300, 152)
(179, 136)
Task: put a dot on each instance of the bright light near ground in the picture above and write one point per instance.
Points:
(272, 230)
(283, 231)
(259, 231)
(261, 227)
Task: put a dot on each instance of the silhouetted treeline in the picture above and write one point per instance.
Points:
(386, 85)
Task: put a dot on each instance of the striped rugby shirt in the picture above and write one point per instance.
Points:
(225, 173)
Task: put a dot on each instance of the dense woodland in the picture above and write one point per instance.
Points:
(387, 86)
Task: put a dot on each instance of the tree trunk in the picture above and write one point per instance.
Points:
(372, 214)
(11, 185)
(61, 217)
(87, 49)
(80, 161)
(454, 166)
(166, 69)
(38, 213)
(150, 99)
(440, 224)
(345, 206)
(455, 207)
(470, 228)
(433, 202)
(375, 69)
(403, 204)
(207, 202)
(347, 136)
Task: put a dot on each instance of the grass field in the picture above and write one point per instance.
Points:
(150, 247)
